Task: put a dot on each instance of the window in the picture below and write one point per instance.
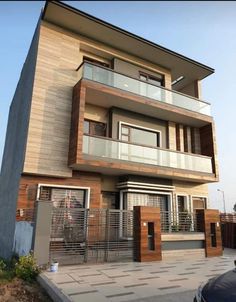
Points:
(140, 136)
(199, 203)
(94, 128)
(110, 200)
(94, 61)
(181, 203)
(63, 197)
(157, 80)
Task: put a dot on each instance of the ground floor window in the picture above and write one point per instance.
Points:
(182, 203)
(145, 199)
(64, 197)
(199, 202)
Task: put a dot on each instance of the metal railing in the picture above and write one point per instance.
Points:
(117, 150)
(91, 235)
(172, 222)
(118, 80)
(228, 217)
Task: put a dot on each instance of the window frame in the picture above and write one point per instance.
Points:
(86, 189)
(199, 196)
(95, 61)
(155, 78)
(128, 125)
(93, 121)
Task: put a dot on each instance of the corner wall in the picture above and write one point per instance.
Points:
(14, 150)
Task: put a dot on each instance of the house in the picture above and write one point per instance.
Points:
(103, 121)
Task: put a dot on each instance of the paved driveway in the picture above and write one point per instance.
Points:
(150, 281)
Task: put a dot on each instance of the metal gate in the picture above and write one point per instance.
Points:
(91, 235)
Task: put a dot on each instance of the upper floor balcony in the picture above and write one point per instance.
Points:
(117, 80)
(109, 149)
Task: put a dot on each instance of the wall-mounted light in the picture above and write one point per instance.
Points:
(177, 80)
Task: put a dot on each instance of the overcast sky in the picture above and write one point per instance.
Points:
(204, 31)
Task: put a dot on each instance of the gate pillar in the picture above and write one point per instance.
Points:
(147, 234)
(42, 232)
(209, 223)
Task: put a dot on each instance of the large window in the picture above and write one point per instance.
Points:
(145, 199)
(140, 136)
(157, 80)
(94, 61)
(94, 128)
(63, 197)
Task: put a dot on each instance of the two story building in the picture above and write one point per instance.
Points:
(104, 119)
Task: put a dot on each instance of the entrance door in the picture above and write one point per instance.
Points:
(110, 200)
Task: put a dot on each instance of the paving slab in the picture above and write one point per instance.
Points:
(163, 281)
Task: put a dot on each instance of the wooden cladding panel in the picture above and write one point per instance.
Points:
(77, 120)
(29, 184)
(208, 145)
(143, 215)
(205, 219)
(148, 170)
(177, 134)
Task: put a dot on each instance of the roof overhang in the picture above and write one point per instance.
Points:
(79, 22)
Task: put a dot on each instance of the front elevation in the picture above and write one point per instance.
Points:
(106, 121)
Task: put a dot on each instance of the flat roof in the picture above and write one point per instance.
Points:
(74, 20)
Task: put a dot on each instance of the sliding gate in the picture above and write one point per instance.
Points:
(91, 235)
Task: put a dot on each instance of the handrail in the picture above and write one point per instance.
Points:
(131, 77)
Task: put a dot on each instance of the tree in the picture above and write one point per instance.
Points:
(234, 208)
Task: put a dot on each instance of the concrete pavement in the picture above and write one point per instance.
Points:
(164, 281)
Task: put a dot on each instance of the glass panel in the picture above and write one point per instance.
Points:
(181, 207)
(143, 77)
(139, 136)
(199, 203)
(124, 138)
(108, 149)
(124, 130)
(110, 78)
(86, 127)
(66, 198)
(155, 82)
(99, 129)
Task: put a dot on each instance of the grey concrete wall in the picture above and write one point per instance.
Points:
(41, 240)
(14, 150)
(119, 115)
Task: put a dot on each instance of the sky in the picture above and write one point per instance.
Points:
(202, 30)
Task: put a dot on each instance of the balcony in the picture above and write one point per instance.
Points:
(117, 80)
(113, 150)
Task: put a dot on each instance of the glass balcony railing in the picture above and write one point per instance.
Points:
(114, 79)
(110, 149)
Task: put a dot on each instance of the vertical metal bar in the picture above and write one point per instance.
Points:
(86, 231)
(107, 233)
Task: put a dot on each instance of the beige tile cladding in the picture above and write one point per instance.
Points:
(191, 189)
(49, 127)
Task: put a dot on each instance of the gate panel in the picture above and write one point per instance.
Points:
(68, 235)
(91, 235)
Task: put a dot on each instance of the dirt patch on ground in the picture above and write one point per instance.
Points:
(20, 291)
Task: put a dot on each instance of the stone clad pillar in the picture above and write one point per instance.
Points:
(209, 223)
(147, 234)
